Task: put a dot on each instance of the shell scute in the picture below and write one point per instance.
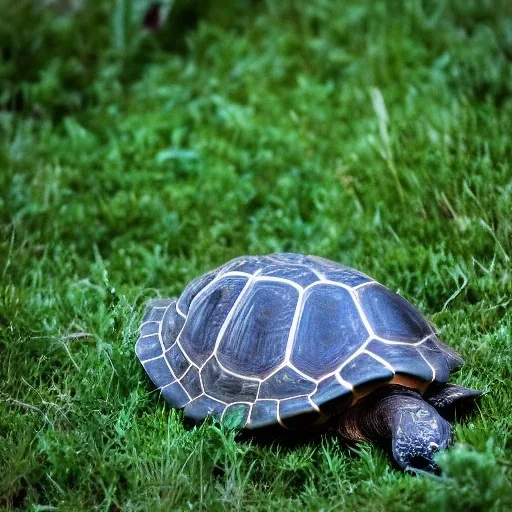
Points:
(254, 342)
(247, 264)
(391, 316)
(297, 412)
(175, 395)
(341, 274)
(159, 372)
(365, 369)
(177, 361)
(431, 352)
(299, 274)
(207, 314)
(202, 407)
(192, 289)
(225, 386)
(330, 329)
(191, 382)
(284, 383)
(330, 395)
(148, 347)
(263, 414)
(404, 358)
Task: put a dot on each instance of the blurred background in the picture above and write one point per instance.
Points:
(143, 143)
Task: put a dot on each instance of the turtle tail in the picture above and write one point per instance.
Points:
(155, 339)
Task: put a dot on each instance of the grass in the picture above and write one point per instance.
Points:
(373, 133)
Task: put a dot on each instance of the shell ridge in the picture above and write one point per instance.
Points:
(239, 375)
(231, 313)
(379, 359)
(428, 362)
(406, 343)
(352, 356)
(299, 307)
(160, 339)
(280, 280)
(361, 312)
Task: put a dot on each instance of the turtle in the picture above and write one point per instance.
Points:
(295, 342)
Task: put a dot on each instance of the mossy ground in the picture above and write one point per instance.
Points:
(373, 133)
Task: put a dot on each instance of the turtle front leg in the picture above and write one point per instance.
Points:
(400, 416)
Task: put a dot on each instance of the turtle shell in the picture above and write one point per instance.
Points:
(285, 338)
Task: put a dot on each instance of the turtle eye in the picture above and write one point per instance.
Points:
(434, 446)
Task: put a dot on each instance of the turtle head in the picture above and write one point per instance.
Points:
(418, 433)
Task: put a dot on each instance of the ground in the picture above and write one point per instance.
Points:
(373, 133)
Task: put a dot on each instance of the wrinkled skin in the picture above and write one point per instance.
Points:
(419, 432)
(409, 422)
